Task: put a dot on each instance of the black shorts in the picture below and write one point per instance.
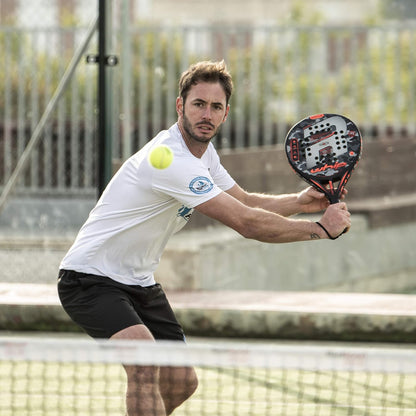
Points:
(102, 306)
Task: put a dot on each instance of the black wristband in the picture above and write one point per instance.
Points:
(327, 233)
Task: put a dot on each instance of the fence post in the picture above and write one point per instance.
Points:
(105, 113)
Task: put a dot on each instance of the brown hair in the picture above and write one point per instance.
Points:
(206, 71)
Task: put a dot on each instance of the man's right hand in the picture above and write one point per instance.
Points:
(336, 219)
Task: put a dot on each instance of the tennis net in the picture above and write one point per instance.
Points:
(64, 377)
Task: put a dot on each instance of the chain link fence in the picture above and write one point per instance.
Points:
(38, 40)
(282, 73)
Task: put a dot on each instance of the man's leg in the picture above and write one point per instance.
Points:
(143, 394)
(152, 391)
(177, 384)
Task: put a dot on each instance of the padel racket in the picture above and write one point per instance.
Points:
(324, 149)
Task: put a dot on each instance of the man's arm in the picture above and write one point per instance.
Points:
(307, 201)
(266, 226)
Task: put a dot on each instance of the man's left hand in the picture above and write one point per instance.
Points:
(311, 200)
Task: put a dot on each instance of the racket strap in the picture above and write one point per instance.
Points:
(326, 231)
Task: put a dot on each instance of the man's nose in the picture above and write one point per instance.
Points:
(207, 113)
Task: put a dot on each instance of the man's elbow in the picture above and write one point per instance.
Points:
(249, 228)
(248, 233)
(255, 226)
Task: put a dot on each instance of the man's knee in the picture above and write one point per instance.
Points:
(193, 382)
(148, 375)
(179, 378)
(177, 384)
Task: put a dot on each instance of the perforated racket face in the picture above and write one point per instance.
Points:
(324, 149)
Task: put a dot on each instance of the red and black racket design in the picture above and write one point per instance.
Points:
(324, 149)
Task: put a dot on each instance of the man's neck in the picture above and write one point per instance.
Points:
(195, 147)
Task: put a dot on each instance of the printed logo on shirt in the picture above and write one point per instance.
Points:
(200, 185)
(185, 212)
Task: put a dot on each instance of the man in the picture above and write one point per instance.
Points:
(106, 281)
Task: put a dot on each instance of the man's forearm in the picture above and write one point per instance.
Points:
(284, 205)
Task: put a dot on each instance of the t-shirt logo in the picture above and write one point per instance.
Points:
(200, 185)
(185, 212)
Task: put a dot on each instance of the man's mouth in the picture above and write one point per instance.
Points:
(205, 126)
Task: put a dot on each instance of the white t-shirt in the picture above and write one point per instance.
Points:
(127, 231)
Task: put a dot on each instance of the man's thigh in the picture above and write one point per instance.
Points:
(95, 304)
(104, 307)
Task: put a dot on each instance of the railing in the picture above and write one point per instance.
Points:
(281, 74)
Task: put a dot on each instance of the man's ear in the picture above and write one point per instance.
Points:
(226, 113)
(179, 106)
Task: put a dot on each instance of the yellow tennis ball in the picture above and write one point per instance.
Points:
(161, 157)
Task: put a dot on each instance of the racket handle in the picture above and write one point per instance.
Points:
(333, 198)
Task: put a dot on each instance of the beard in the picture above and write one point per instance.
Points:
(187, 126)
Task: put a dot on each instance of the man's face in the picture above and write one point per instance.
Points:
(204, 112)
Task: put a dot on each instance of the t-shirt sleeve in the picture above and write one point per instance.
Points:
(219, 174)
(188, 181)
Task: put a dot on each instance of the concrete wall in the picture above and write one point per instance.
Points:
(364, 260)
